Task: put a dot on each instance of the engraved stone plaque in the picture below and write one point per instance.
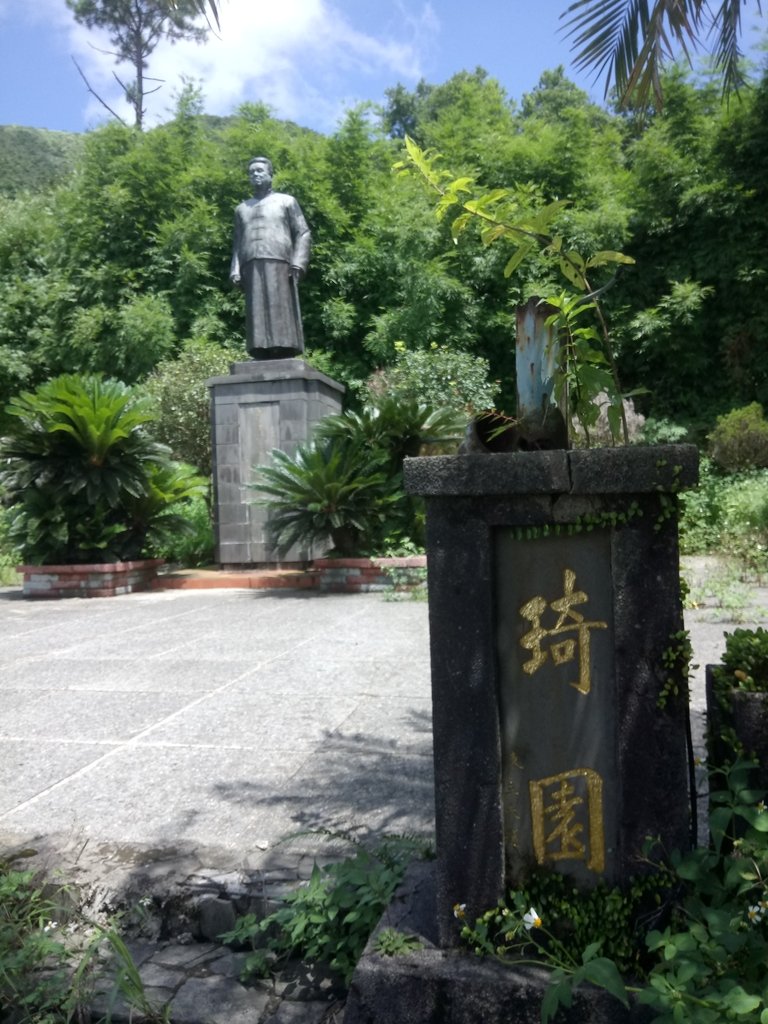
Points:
(554, 606)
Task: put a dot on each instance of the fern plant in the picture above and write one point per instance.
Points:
(345, 487)
(83, 477)
(327, 492)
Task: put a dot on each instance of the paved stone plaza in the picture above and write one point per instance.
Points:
(174, 738)
(214, 721)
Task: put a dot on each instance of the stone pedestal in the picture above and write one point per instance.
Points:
(261, 405)
(554, 595)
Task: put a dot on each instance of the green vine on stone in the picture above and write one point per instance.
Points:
(676, 662)
(329, 918)
(610, 519)
(391, 942)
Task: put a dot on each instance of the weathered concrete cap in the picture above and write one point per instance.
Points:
(494, 473)
(259, 370)
(639, 469)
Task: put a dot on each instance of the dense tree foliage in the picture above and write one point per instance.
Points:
(123, 266)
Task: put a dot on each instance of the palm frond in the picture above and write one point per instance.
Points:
(726, 29)
(627, 41)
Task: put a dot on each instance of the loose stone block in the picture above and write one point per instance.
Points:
(217, 1000)
(215, 916)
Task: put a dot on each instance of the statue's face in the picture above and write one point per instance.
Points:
(258, 172)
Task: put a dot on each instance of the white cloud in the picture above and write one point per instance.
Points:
(304, 58)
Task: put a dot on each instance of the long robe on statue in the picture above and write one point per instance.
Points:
(271, 237)
(272, 314)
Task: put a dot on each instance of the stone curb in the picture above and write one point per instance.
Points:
(200, 983)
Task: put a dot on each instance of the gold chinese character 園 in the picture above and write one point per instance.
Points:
(567, 818)
(568, 621)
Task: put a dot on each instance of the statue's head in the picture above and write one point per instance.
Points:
(261, 160)
(260, 175)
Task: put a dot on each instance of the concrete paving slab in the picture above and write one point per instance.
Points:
(30, 767)
(388, 724)
(165, 795)
(358, 675)
(197, 720)
(351, 785)
(116, 675)
(256, 721)
(88, 716)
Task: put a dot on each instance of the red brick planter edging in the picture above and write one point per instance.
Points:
(92, 580)
(355, 575)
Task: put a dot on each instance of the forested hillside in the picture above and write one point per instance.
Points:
(125, 262)
(32, 159)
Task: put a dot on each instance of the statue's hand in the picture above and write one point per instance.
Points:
(296, 273)
(235, 279)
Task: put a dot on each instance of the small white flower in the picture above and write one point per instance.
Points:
(761, 807)
(531, 920)
(459, 910)
(50, 926)
(755, 914)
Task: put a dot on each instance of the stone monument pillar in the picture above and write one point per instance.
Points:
(261, 405)
(553, 597)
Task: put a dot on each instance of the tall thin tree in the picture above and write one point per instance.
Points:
(135, 27)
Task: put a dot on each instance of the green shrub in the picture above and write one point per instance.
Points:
(26, 946)
(332, 494)
(193, 545)
(330, 917)
(438, 376)
(663, 431)
(9, 553)
(745, 660)
(740, 439)
(346, 487)
(727, 514)
(45, 980)
(397, 427)
(181, 400)
(702, 511)
(85, 481)
(127, 340)
(575, 918)
(699, 955)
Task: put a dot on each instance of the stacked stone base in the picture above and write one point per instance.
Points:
(89, 580)
(430, 985)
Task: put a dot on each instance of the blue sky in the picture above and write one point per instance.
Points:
(309, 59)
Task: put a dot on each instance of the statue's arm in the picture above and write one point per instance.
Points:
(302, 239)
(234, 267)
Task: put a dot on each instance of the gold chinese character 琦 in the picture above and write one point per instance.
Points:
(567, 818)
(568, 621)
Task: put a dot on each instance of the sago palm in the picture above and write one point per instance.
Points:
(327, 490)
(84, 479)
(79, 435)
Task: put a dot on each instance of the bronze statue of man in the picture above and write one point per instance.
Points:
(270, 253)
